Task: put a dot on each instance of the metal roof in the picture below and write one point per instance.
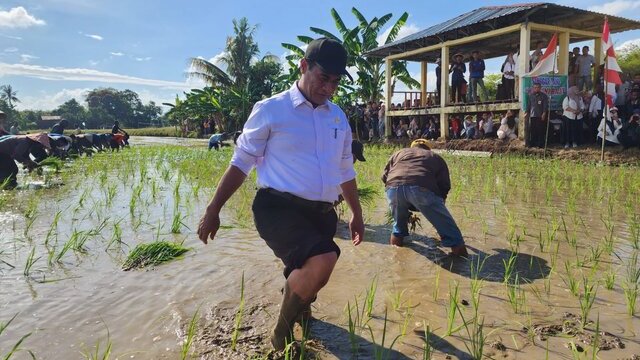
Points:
(494, 17)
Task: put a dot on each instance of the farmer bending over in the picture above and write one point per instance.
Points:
(416, 178)
(18, 148)
(217, 141)
(300, 145)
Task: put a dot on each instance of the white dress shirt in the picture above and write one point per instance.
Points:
(569, 103)
(297, 148)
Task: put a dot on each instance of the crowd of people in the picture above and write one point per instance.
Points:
(31, 149)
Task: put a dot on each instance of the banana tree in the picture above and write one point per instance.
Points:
(358, 41)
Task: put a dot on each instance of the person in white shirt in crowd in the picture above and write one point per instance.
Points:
(536, 54)
(596, 106)
(612, 128)
(585, 63)
(508, 76)
(572, 107)
(469, 130)
(300, 144)
(486, 126)
(414, 128)
(507, 129)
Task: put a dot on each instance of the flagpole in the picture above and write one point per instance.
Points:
(546, 133)
(606, 108)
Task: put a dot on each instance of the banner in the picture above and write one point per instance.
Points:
(554, 86)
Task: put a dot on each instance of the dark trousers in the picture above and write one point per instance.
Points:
(538, 128)
(508, 86)
(457, 89)
(8, 171)
(572, 130)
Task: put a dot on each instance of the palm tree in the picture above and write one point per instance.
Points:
(7, 94)
(358, 41)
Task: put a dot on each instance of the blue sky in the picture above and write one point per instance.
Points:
(55, 50)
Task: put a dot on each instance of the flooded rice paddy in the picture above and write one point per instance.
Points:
(553, 271)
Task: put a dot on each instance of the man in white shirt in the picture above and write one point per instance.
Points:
(585, 62)
(300, 145)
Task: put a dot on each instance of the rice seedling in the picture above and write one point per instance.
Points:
(191, 334)
(509, 267)
(178, 222)
(608, 239)
(516, 295)
(53, 162)
(16, 347)
(477, 338)
(116, 235)
(570, 280)
(395, 297)
(151, 254)
(427, 348)
(96, 354)
(238, 317)
(452, 307)
(380, 352)
(631, 285)
(370, 296)
(53, 228)
(436, 285)
(31, 260)
(609, 279)
(353, 320)
(587, 298)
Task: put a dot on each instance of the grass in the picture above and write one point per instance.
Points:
(238, 317)
(151, 254)
(16, 347)
(191, 334)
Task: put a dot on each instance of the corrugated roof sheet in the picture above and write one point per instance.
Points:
(483, 15)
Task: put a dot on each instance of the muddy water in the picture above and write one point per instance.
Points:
(71, 305)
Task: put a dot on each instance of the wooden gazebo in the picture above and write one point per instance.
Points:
(494, 30)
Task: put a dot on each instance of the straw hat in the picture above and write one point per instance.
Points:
(423, 142)
(41, 138)
(458, 54)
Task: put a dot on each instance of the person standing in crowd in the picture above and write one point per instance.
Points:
(58, 128)
(476, 77)
(438, 79)
(536, 55)
(536, 115)
(572, 107)
(508, 77)
(373, 121)
(457, 71)
(382, 118)
(573, 66)
(585, 64)
(596, 109)
(612, 128)
(300, 144)
(417, 178)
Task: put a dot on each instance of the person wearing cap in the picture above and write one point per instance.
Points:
(300, 144)
(417, 178)
(18, 148)
(536, 115)
(457, 70)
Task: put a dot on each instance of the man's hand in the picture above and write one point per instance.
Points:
(209, 225)
(356, 225)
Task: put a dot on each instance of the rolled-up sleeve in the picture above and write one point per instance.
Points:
(253, 140)
(347, 172)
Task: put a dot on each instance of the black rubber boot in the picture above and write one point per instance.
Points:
(292, 306)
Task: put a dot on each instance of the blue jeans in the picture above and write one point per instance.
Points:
(432, 206)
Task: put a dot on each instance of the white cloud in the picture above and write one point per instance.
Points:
(80, 74)
(46, 101)
(143, 58)
(11, 50)
(217, 60)
(94, 36)
(627, 45)
(25, 58)
(18, 17)
(405, 30)
(94, 62)
(616, 7)
(116, 53)
(11, 37)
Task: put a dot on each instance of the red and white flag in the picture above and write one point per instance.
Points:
(612, 69)
(547, 63)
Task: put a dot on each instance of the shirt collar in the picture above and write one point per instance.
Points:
(297, 98)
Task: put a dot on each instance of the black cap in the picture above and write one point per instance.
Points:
(357, 150)
(329, 54)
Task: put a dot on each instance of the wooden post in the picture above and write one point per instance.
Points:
(597, 54)
(563, 56)
(423, 83)
(444, 91)
(523, 68)
(388, 122)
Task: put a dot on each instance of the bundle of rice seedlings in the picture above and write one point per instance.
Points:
(367, 194)
(54, 162)
(152, 254)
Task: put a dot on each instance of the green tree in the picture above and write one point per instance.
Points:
(9, 95)
(72, 111)
(491, 84)
(357, 41)
(629, 60)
